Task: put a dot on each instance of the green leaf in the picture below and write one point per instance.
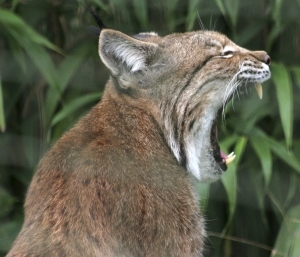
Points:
(279, 149)
(18, 53)
(263, 152)
(296, 73)
(288, 239)
(63, 76)
(2, 114)
(12, 22)
(69, 66)
(43, 62)
(33, 45)
(229, 179)
(259, 182)
(74, 106)
(14, 4)
(274, 33)
(283, 85)
(140, 10)
(229, 8)
(292, 190)
(120, 9)
(193, 7)
(171, 5)
(233, 10)
(100, 3)
(276, 11)
(172, 20)
(221, 6)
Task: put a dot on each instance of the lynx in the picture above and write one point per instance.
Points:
(119, 184)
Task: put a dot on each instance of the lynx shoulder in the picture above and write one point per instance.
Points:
(119, 182)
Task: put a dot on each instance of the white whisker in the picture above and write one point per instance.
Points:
(231, 89)
(200, 22)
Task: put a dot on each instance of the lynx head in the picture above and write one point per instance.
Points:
(186, 79)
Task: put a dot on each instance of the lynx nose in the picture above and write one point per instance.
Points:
(267, 59)
(262, 56)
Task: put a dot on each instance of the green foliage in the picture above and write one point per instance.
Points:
(229, 8)
(229, 179)
(282, 81)
(2, 120)
(288, 240)
(51, 75)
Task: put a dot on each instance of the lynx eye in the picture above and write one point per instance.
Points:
(228, 52)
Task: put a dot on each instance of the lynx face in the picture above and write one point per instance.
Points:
(184, 80)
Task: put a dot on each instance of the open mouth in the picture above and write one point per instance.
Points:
(220, 157)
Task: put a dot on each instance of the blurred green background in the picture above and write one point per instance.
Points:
(51, 75)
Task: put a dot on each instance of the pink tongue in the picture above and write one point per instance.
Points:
(223, 155)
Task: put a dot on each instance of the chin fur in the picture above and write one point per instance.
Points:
(199, 157)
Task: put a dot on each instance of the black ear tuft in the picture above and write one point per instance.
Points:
(98, 20)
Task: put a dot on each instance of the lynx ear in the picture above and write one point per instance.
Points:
(120, 52)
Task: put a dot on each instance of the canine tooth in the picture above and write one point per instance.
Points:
(259, 90)
(230, 159)
(231, 154)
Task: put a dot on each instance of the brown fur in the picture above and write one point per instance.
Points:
(113, 186)
(96, 193)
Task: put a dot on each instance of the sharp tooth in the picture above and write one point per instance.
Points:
(229, 160)
(231, 154)
(259, 90)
